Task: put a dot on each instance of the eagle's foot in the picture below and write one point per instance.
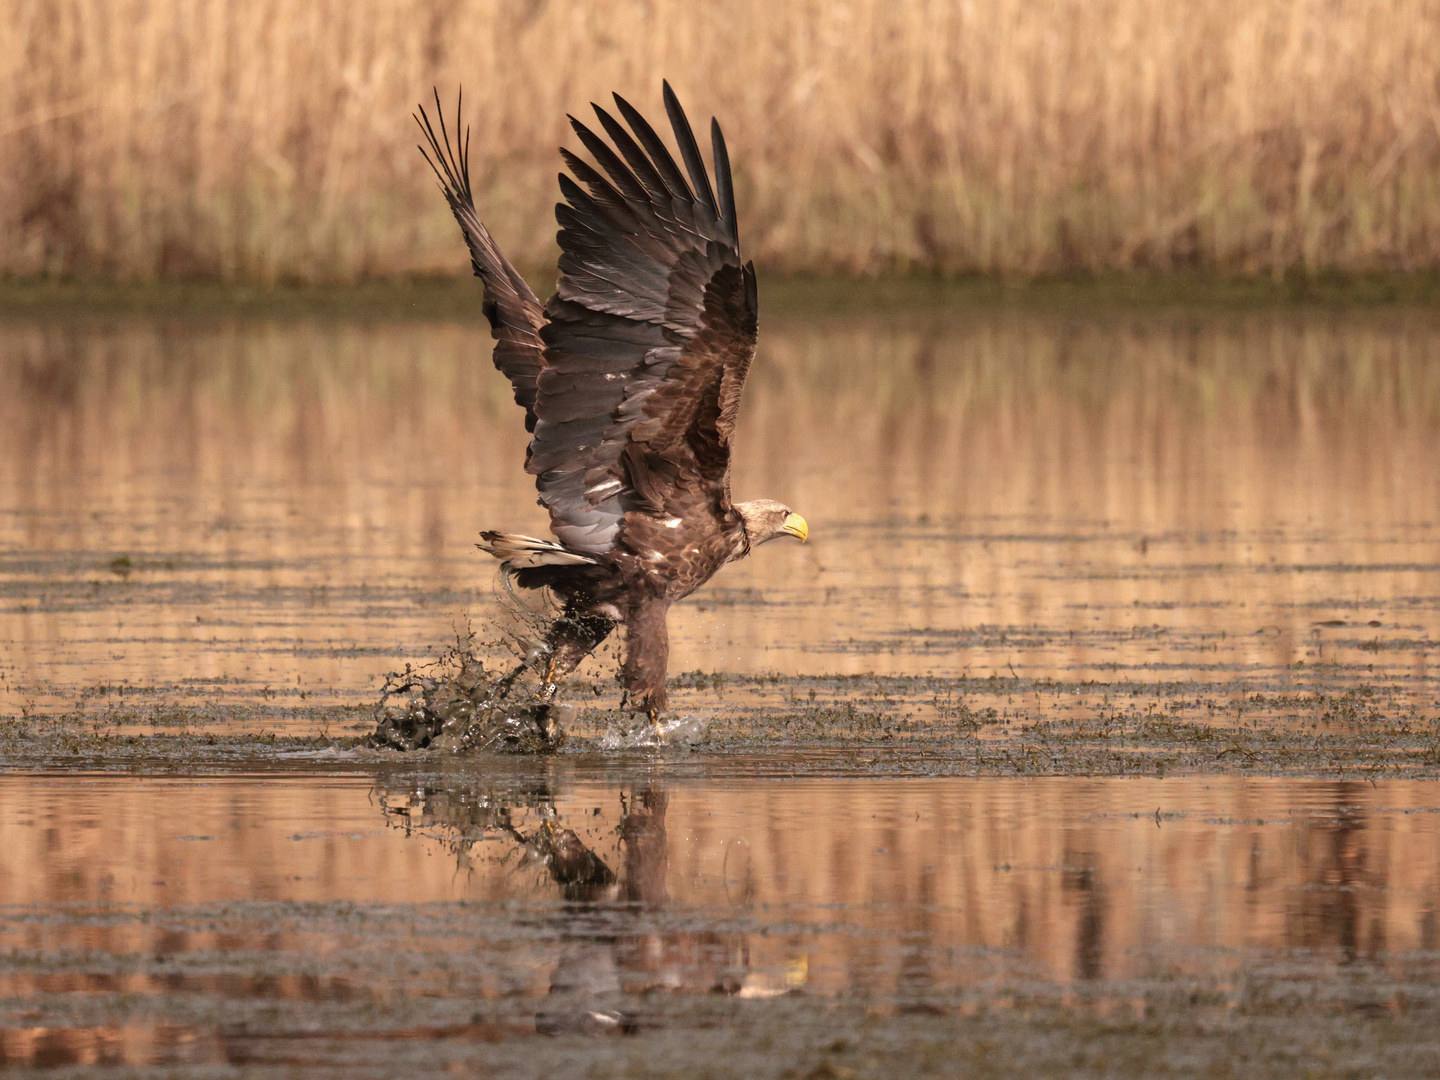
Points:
(544, 725)
(545, 722)
(551, 719)
(656, 728)
(548, 685)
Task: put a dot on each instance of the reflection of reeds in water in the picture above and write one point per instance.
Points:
(1099, 461)
(301, 470)
(272, 140)
(1064, 879)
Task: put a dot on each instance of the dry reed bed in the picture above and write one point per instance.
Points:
(271, 140)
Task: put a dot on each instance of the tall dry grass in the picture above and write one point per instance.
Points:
(270, 139)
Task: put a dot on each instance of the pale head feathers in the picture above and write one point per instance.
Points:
(766, 520)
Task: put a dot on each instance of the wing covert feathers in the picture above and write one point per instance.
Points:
(513, 310)
(648, 337)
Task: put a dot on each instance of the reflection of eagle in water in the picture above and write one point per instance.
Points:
(630, 377)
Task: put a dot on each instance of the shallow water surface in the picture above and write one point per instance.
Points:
(279, 512)
(251, 912)
(1145, 544)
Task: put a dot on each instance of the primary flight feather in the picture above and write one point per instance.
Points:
(630, 377)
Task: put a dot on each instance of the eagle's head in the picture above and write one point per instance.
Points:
(766, 519)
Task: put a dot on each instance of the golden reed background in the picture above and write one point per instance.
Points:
(271, 139)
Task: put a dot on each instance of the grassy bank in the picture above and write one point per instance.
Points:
(271, 141)
(780, 295)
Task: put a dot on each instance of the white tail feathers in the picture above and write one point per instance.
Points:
(525, 552)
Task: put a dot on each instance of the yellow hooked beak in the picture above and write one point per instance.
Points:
(795, 526)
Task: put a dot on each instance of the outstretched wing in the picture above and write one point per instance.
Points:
(513, 310)
(649, 336)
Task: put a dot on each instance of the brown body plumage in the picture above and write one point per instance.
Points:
(630, 377)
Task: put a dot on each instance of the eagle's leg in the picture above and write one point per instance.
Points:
(574, 636)
(647, 655)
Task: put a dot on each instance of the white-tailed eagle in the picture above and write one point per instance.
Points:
(630, 377)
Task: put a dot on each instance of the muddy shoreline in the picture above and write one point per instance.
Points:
(912, 726)
(1177, 1030)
